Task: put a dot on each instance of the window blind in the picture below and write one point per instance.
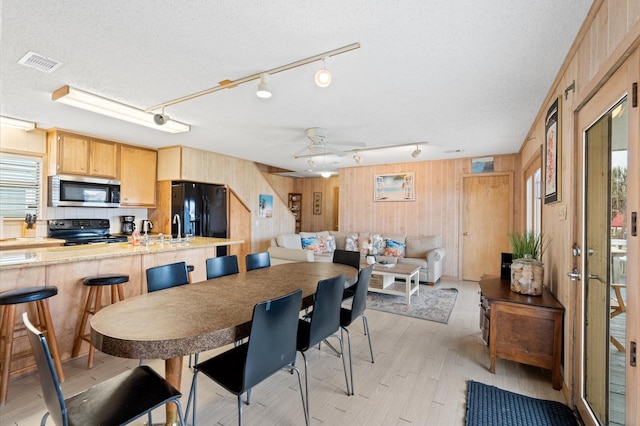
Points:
(20, 185)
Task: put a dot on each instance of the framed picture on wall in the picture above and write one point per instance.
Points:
(552, 151)
(317, 203)
(265, 207)
(394, 187)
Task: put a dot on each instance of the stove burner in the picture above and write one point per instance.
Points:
(83, 231)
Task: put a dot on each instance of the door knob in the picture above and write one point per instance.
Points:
(574, 276)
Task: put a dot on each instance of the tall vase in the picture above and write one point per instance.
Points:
(526, 276)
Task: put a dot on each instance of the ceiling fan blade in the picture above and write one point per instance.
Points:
(304, 152)
(360, 144)
(334, 150)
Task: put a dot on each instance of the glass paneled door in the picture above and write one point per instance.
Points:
(602, 202)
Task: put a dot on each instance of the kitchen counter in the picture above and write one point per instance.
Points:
(29, 243)
(66, 267)
(21, 258)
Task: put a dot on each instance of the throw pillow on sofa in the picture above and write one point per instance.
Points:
(328, 244)
(377, 245)
(351, 242)
(394, 248)
(363, 245)
(311, 243)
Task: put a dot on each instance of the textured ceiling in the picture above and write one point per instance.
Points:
(459, 74)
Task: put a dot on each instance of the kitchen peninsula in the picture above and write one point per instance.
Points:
(66, 267)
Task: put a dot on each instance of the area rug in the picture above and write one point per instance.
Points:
(491, 406)
(432, 304)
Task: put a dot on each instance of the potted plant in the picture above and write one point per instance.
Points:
(527, 271)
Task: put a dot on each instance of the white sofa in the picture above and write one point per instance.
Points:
(422, 250)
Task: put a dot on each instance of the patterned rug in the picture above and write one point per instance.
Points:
(491, 406)
(432, 304)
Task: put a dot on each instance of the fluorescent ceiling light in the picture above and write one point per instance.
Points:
(19, 124)
(98, 104)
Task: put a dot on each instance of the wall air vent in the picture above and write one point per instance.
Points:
(39, 62)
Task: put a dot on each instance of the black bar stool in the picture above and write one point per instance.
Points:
(189, 271)
(94, 304)
(9, 333)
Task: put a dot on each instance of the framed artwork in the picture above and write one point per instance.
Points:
(552, 170)
(482, 165)
(265, 207)
(317, 203)
(394, 187)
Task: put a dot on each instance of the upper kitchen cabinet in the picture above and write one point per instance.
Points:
(81, 155)
(137, 176)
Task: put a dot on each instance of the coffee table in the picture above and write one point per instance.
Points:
(389, 285)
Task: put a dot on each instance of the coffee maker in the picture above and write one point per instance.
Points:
(128, 224)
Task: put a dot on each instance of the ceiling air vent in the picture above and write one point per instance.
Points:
(39, 62)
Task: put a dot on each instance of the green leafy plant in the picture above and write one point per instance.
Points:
(526, 243)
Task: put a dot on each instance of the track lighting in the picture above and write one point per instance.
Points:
(230, 84)
(264, 91)
(357, 158)
(311, 163)
(416, 152)
(323, 76)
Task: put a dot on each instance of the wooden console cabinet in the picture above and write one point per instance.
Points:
(525, 329)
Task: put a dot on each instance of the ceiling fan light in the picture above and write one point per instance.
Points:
(264, 90)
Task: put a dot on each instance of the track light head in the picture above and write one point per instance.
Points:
(416, 152)
(311, 163)
(264, 91)
(323, 76)
(160, 119)
(357, 158)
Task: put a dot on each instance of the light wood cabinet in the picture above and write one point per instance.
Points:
(137, 176)
(81, 155)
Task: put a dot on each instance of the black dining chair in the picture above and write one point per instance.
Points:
(323, 322)
(167, 276)
(358, 306)
(222, 266)
(271, 347)
(119, 400)
(350, 258)
(258, 260)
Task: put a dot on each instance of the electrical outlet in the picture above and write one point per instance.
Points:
(562, 212)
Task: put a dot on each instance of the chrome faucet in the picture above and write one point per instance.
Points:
(176, 219)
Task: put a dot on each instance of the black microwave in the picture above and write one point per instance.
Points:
(83, 191)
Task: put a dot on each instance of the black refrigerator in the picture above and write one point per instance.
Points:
(202, 209)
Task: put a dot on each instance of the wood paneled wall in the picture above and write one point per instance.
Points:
(437, 208)
(242, 176)
(611, 32)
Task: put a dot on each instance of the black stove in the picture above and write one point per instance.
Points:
(83, 231)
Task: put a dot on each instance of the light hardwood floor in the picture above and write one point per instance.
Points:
(419, 377)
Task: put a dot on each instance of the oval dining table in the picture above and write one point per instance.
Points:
(179, 321)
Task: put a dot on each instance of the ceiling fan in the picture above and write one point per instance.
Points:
(320, 146)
